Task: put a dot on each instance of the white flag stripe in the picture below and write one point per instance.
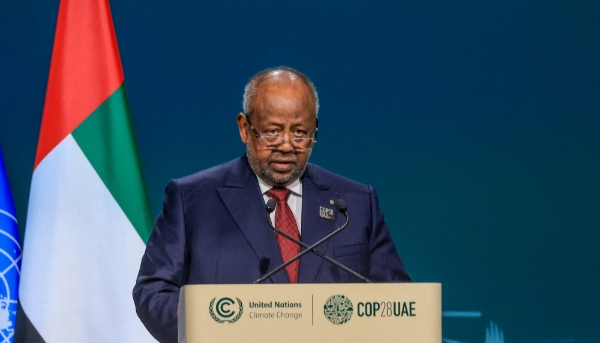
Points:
(82, 255)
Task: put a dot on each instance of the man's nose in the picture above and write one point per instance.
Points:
(286, 143)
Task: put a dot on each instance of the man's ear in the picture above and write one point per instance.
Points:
(243, 127)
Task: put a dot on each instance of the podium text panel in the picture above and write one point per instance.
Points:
(386, 312)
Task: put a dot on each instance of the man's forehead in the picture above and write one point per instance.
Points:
(284, 83)
(283, 87)
(283, 97)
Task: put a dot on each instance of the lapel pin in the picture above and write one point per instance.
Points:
(326, 213)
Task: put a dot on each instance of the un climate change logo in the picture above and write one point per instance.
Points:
(225, 309)
(338, 309)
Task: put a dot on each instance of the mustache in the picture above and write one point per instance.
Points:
(280, 157)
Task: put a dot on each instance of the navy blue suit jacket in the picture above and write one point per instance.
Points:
(213, 230)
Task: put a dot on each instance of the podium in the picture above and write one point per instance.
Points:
(376, 312)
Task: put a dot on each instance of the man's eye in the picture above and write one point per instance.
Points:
(272, 132)
(299, 133)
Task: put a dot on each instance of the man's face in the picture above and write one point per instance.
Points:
(282, 107)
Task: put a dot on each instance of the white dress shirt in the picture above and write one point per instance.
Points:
(294, 201)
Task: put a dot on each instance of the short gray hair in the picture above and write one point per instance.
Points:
(256, 80)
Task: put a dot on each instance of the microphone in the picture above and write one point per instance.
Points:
(271, 204)
(263, 265)
(340, 206)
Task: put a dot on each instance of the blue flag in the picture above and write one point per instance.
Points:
(10, 258)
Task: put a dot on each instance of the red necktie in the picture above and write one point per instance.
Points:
(285, 221)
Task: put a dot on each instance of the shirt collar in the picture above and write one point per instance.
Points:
(295, 187)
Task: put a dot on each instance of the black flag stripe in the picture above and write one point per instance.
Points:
(25, 332)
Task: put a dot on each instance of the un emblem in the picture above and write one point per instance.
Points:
(338, 309)
(225, 310)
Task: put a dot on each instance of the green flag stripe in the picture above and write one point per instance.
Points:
(108, 141)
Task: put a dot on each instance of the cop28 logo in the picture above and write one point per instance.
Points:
(338, 309)
(226, 308)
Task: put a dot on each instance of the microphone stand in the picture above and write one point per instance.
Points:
(308, 249)
(318, 253)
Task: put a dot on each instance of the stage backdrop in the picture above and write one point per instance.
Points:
(477, 122)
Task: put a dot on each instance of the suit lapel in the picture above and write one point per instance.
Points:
(314, 195)
(244, 201)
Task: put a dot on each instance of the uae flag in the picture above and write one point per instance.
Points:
(89, 215)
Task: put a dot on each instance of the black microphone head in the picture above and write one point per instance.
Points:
(271, 204)
(341, 205)
(263, 265)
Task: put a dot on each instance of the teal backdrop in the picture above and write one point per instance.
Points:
(476, 121)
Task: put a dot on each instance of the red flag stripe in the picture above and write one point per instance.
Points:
(85, 69)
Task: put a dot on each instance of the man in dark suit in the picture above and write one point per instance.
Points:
(213, 226)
